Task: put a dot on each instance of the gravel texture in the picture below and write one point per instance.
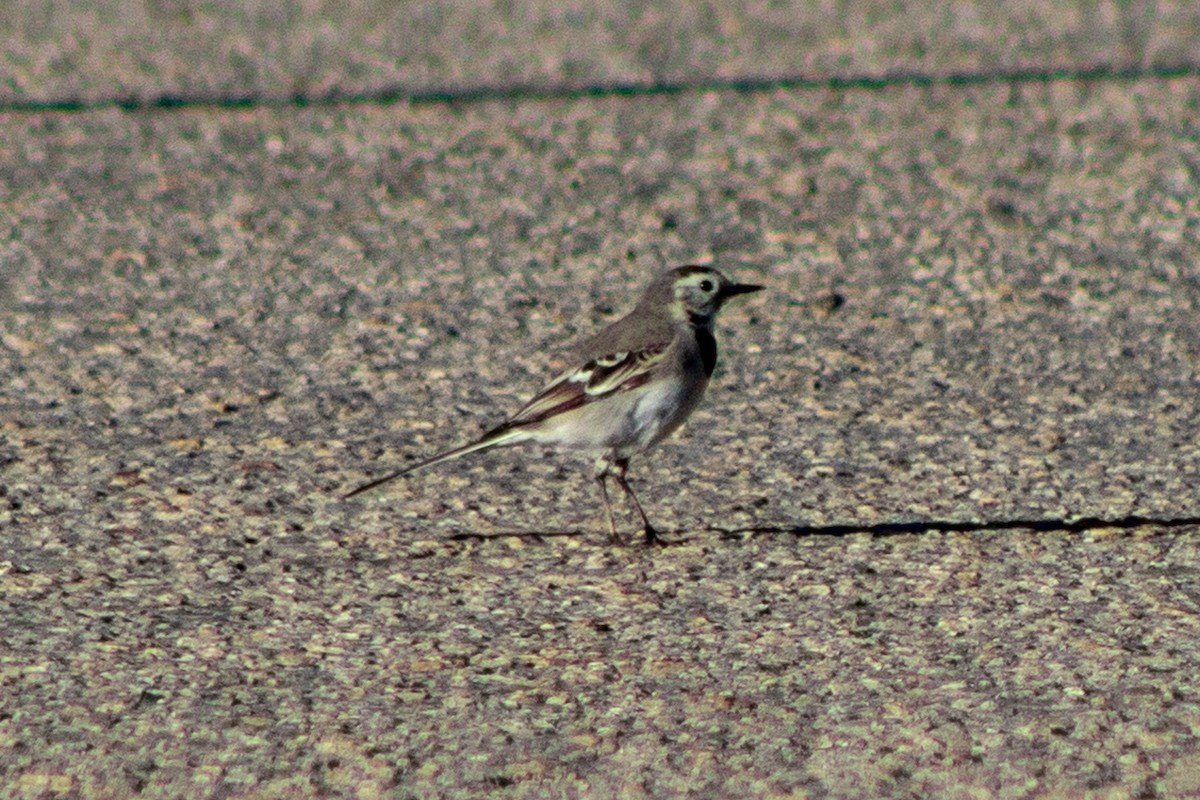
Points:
(937, 516)
(104, 50)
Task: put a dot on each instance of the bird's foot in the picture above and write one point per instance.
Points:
(653, 539)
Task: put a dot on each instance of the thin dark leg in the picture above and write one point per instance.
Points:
(619, 477)
(614, 537)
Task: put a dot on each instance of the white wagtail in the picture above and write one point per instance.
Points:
(640, 379)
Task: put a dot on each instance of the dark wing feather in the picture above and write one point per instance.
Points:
(600, 377)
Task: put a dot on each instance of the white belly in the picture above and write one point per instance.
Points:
(630, 422)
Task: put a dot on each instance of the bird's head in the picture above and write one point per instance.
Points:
(696, 293)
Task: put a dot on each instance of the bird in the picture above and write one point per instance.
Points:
(637, 381)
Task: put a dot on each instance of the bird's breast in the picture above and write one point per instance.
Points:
(665, 406)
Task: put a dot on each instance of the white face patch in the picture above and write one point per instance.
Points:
(696, 295)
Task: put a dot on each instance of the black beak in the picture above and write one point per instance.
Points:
(734, 289)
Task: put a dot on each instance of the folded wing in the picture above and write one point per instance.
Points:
(600, 377)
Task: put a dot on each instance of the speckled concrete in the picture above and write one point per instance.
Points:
(980, 331)
(105, 50)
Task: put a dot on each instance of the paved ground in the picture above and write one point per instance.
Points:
(938, 514)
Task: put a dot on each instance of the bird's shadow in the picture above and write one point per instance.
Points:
(897, 528)
(666, 539)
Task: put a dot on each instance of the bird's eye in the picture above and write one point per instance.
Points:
(706, 285)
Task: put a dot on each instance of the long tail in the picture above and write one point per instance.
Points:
(494, 438)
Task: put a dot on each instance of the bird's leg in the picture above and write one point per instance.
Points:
(602, 480)
(618, 474)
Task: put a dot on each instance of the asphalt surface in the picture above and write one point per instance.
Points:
(935, 523)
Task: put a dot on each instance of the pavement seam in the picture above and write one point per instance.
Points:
(749, 84)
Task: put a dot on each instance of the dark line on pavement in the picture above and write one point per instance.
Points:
(950, 526)
(898, 528)
(450, 95)
(535, 535)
